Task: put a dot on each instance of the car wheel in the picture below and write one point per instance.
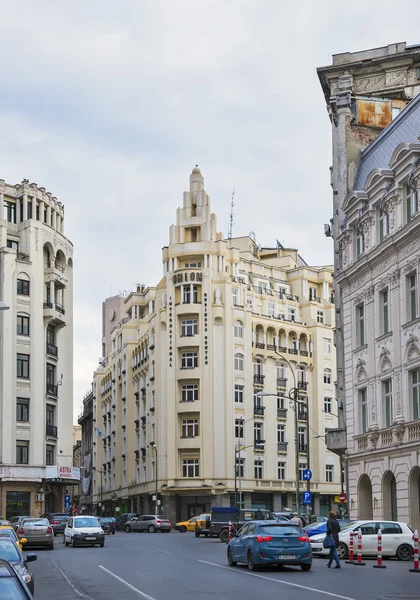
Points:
(151, 529)
(250, 561)
(232, 563)
(306, 567)
(128, 529)
(51, 547)
(182, 529)
(224, 536)
(113, 533)
(73, 543)
(405, 552)
(342, 551)
(102, 545)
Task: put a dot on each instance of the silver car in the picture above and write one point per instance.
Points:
(38, 532)
(150, 523)
(16, 521)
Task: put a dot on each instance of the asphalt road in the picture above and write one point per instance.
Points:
(156, 566)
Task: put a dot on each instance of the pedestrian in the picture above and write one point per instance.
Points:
(296, 519)
(333, 529)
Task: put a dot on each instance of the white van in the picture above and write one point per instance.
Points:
(85, 531)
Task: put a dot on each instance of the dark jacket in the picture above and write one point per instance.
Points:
(333, 528)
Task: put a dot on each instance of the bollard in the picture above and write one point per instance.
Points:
(230, 531)
(416, 553)
(359, 562)
(351, 549)
(379, 564)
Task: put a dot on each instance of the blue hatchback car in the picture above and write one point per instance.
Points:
(260, 543)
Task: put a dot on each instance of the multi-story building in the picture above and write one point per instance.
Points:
(86, 422)
(36, 351)
(202, 365)
(365, 93)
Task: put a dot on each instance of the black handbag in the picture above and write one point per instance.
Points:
(329, 542)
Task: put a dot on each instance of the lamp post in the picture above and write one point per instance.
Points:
(238, 451)
(153, 445)
(100, 473)
(3, 306)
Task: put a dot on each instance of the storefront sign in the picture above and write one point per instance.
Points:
(186, 277)
(60, 472)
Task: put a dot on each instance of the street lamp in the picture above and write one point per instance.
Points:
(100, 473)
(153, 445)
(238, 451)
(4, 306)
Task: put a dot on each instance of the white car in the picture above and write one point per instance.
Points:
(397, 540)
(84, 531)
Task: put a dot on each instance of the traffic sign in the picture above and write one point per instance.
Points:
(342, 497)
(67, 501)
(117, 509)
(307, 497)
(307, 475)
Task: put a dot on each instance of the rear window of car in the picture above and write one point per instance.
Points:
(8, 551)
(60, 518)
(86, 522)
(36, 522)
(280, 529)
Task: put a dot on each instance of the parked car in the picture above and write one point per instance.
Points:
(397, 539)
(11, 584)
(321, 527)
(260, 543)
(150, 523)
(16, 521)
(122, 520)
(202, 525)
(4, 523)
(9, 551)
(8, 531)
(58, 521)
(184, 526)
(221, 516)
(108, 524)
(37, 532)
(83, 531)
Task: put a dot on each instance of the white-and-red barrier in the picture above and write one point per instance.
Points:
(379, 564)
(415, 568)
(230, 531)
(359, 562)
(351, 549)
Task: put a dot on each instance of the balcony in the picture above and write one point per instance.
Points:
(259, 444)
(259, 379)
(137, 423)
(281, 446)
(48, 304)
(314, 299)
(137, 454)
(283, 349)
(59, 308)
(259, 410)
(303, 448)
(123, 399)
(137, 396)
(304, 353)
(51, 430)
(302, 385)
(302, 415)
(143, 452)
(271, 347)
(282, 413)
(293, 351)
(281, 382)
(143, 421)
(52, 350)
(260, 345)
(52, 390)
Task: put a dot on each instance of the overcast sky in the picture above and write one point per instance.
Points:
(109, 105)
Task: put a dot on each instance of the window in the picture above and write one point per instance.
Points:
(281, 371)
(240, 467)
(239, 393)
(22, 409)
(360, 325)
(384, 308)
(261, 287)
(190, 392)
(29, 209)
(383, 225)
(22, 452)
(327, 404)
(258, 433)
(312, 293)
(320, 316)
(329, 473)
(189, 428)
(9, 211)
(190, 467)
(22, 287)
(415, 392)
(271, 309)
(291, 314)
(360, 244)
(302, 467)
(281, 434)
(327, 346)
(189, 327)
(281, 470)
(13, 245)
(302, 438)
(238, 362)
(250, 302)
(327, 376)
(238, 330)
(23, 366)
(189, 360)
(235, 297)
(50, 374)
(411, 202)
(51, 335)
(258, 469)
(413, 312)
(193, 265)
(187, 296)
(387, 402)
(49, 454)
(239, 428)
(22, 325)
(50, 414)
(363, 409)
(281, 402)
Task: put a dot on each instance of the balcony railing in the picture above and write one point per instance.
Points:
(51, 349)
(271, 347)
(303, 448)
(302, 385)
(51, 430)
(282, 413)
(282, 349)
(52, 389)
(143, 420)
(260, 345)
(59, 308)
(259, 444)
(304, 353)
(48, 305)
(281, 382)
(143, 452)
(137, 423)
(259, 410)
(259, 379)
(281, 446)
(293, 351)
(302, 415)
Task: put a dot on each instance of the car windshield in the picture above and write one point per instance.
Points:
(8, 551)
(86, 522)
(10, 590)
(36, 523)
(280, 529)
(106, 520)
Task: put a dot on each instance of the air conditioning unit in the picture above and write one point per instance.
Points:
(39, 498)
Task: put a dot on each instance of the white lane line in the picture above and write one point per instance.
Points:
(134, 589)
(79, 593)
(163, 551)
(296, 585)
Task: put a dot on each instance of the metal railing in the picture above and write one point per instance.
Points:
(52, 389)
(281, 446)
(51, 430)
(259, 410)
(259, 379)
(51, 349)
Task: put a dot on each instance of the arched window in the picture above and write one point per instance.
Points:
(239, 362)
(238, 330)
(327, 376)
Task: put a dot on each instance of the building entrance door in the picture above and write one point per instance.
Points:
(17, 504)
(194, 510)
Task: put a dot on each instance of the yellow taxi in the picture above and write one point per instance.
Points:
(184, 526)
(7, 530)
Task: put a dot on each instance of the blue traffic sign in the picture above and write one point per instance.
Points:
(307, 474)
(67, 501)
(307, 497)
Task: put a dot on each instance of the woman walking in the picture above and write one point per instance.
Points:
(333, 529)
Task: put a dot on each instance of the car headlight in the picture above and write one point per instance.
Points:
(27, 578)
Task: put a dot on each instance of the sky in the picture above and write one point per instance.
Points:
(109, 105)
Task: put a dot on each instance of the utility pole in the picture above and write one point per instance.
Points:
(153, 445)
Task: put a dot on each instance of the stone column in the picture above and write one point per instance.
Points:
(41, 210)
(25, 207)
(54, 219)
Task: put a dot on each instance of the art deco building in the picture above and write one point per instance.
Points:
(36, 351)
(182, 385)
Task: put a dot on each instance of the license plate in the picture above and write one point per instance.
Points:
(287, 556)
(90, 538)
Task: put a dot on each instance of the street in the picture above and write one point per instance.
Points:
(171, 566)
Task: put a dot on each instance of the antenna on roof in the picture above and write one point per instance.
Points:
(232, 204)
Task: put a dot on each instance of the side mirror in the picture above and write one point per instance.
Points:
(23, 540)
(31, 557)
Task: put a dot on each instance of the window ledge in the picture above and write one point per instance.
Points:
(384, 336)
(360, 348)
(409, 323)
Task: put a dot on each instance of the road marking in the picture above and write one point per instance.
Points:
(139, 592)
(78, 592)
(296, 585)
(163, 551)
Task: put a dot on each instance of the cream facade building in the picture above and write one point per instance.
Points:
(181, 386)
(36, 351)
